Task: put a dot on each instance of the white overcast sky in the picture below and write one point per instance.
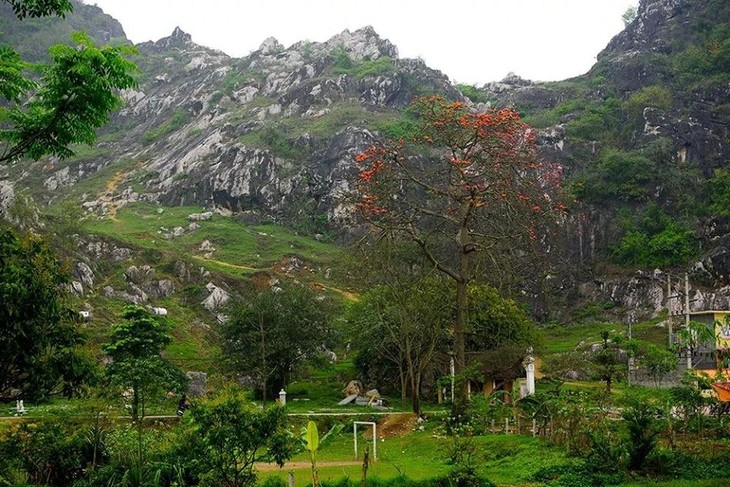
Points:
(471, 41)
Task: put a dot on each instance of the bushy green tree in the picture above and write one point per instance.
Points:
(658, 361)
(605, 363)
(46, 453)
(406, 324)
(496, 322)
(640, 419)
(72, 99)
(230, 434)
(267, 336)
(135, 349)
(39, 338)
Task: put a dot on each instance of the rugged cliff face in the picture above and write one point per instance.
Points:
(274, 134)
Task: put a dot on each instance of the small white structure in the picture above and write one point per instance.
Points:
(20, 408)
(529, 365)
(159, 311)
(375, 436)
(282, 397)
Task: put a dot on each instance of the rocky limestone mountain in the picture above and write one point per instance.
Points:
(273, 135)
(274, 132)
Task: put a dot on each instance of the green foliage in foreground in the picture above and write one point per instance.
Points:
(135, 348)
(73, 99)
(39, 338)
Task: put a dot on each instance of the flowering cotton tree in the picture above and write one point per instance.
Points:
(468, 189)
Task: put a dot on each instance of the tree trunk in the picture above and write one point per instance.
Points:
(415, 392)
(403, 384)
(135, 403)
(462, 318)
(263, 356)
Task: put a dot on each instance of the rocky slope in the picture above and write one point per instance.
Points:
(273, 135)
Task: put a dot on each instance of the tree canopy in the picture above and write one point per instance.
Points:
(135, 348)
(469, 190)
(39, 338)
(406, 325)
(72, 99)
(267, 336)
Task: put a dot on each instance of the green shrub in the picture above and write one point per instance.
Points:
(671, 246)
(649, 96)
(617, 175)
(720, 192)
(598, 121)
(402, 129)
(341, 62)
(474, 94)
(46, 453)
(378, 67)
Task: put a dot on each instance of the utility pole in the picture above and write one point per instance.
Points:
(630, 361)
(686, 320)
(669, 308)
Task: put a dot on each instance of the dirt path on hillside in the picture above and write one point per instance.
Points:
(346, 294)
(226, 264)
(106, 196)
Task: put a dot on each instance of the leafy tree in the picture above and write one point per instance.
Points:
(618, 175)
(39, 338)
(39, 8)
(643, 429)
(658, 362)
(467, 189)
(229, 435)
(606, 364)
(269, 335)
(496, 322)
(406, 324)
(692, 338)
(135, 348)
(73, 98)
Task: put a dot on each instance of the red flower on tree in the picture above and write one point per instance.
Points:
(470, 183)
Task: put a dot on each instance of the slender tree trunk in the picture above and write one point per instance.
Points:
(403, 383)
(462, 318)
(467, 247)
(415, 392)
(263, 356)
(135, 403)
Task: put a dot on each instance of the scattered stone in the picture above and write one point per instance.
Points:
(197, 217)
(197, 383)
(84, 273)
(77, 288)
(353, 387)
(206, 246)
(216, 298)
(121, 253)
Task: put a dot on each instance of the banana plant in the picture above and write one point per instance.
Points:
(312, 445)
